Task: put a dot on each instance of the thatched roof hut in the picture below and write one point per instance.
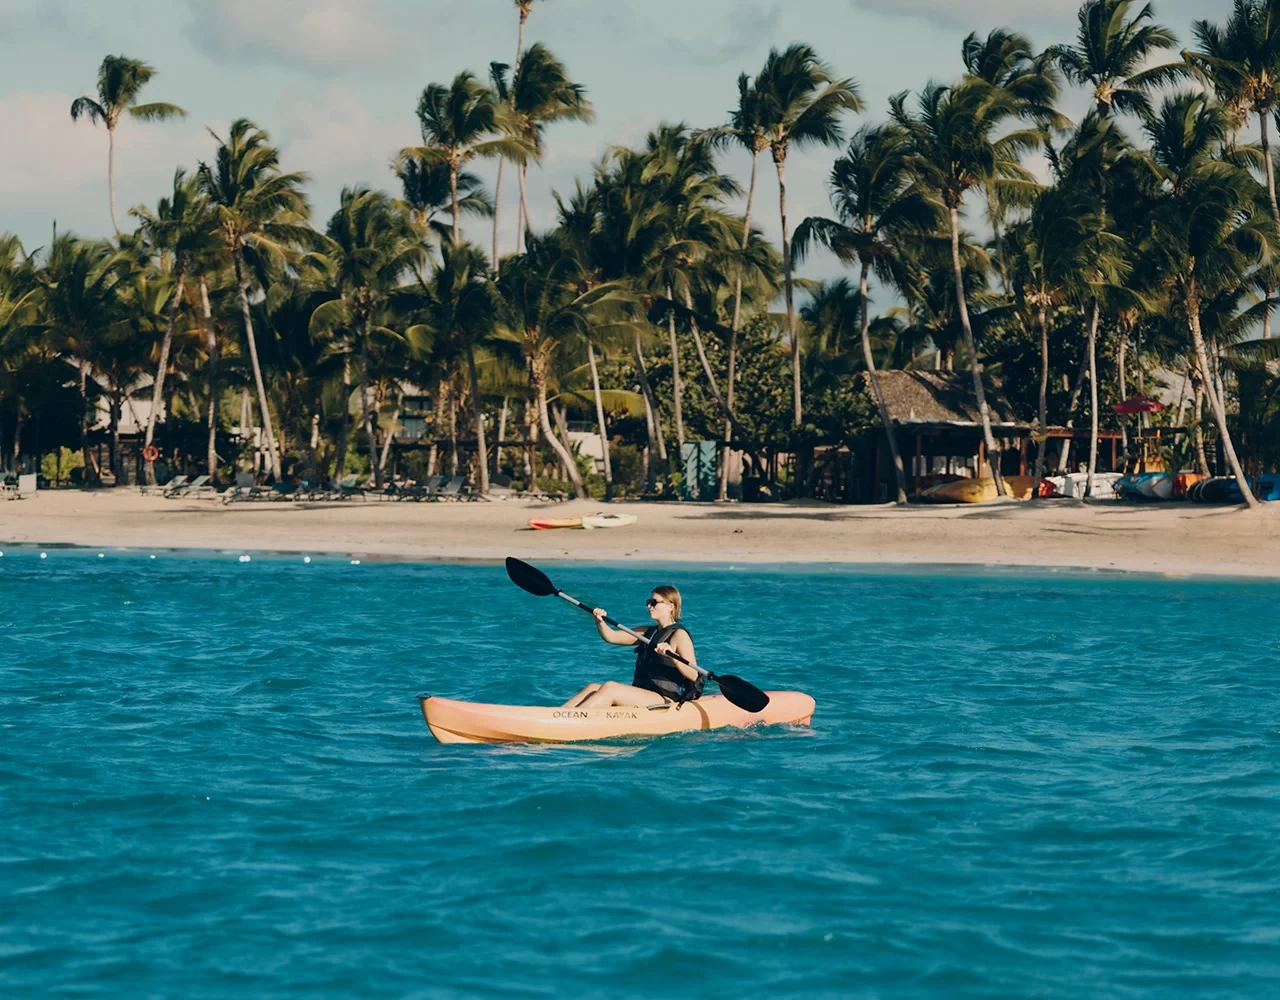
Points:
(936, 399)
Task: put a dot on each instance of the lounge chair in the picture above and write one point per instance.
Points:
(174, 485)
(244, 489)
(19, 488)
(452, 490)
(422, 490)
(348, 487)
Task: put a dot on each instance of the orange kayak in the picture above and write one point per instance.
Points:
(473, 722)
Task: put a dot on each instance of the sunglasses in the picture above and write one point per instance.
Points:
(654, 602)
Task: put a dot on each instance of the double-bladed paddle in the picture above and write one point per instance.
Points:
(745, 695)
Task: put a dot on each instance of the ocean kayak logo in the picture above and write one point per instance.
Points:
(580, 714)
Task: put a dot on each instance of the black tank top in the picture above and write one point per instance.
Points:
(654, 673)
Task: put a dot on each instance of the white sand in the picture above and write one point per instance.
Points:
(1167, 538)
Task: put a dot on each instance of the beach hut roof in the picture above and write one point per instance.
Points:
(935, 397)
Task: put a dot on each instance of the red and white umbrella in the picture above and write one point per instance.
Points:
(1139, 404)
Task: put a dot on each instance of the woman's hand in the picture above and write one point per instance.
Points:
(664, 649)
(600, 614)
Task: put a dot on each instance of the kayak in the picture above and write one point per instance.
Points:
(543, 523)
(472, 722)
(983, 490)
(609, 520)
(587, 521)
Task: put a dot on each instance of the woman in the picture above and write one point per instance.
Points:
(656, 672)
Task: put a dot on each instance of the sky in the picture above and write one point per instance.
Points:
(336, 82)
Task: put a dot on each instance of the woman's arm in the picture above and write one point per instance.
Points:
(682, 644)
(611, 635)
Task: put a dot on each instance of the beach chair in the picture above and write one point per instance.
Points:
(452, 490)
(9, 488)
(422, 490)
(244, 489)
(350, 486)
(174, 485)
(27, 486)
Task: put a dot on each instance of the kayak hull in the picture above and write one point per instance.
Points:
(472, 722)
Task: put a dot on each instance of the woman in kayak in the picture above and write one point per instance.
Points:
(656, 672)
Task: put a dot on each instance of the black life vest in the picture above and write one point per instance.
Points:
(655, 673)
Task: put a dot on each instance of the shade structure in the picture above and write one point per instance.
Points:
(1138, 404)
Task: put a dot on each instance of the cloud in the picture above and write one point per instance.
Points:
(309, 35)
(979, 15)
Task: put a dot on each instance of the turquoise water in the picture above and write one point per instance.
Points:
(215, 781)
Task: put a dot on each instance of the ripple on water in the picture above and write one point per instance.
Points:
(216, 782)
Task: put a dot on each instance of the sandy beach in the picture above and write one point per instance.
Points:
(1169, 538)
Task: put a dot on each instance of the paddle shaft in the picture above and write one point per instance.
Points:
(631, 632)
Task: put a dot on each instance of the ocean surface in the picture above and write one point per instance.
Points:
(215, 781)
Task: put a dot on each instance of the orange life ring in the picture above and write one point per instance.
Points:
(150, 453)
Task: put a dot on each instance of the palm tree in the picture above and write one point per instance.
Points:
(372, 247)
(1110, 50)
(460, 123)
(181, 227)
(80, 302)
(800, 103)
(459, 308)
(547, 312)
(1007, 60)
(879, 204)
(952, 149)
(425, 193)
(1201, 235)
(1241, 62)
(746, 129)
(260, 217)
(119, 81)
(541, 94)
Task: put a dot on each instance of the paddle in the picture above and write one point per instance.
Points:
(741, 693)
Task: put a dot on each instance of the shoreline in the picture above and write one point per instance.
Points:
(1182, 540)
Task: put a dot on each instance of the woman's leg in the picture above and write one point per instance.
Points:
(581, 696)
(612, 693)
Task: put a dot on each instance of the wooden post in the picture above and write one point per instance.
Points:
(875, 479)
(982, 458)
(1022, 456)
(1113, 454)
(917, 467)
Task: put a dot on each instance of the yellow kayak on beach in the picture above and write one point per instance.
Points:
(981, 490)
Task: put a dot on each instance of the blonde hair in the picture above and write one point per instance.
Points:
(670, 594)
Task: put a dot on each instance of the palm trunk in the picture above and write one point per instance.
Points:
(1263, 122)
(565, 456)
(477, 411)
(162, 368)
(366, 418)
(453, 433)
(211, 341)
(1093, 399)
(870, 361)
(1197, 435)
(734, 328)
(344, 426)
(1216, 402)
(675, 373)
(993, 456)
(1124, 394)
(1072, 403)
(111, 177)
(706, 369)
(1042, 446)
(497, 201)
(391, 433)
(604, 431)
(89, 466)
(272, 455)
(502, 433)
(652, 423)
(525, 225)
(779, 161)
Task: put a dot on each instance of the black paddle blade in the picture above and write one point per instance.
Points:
(529, 578)
(742, 693)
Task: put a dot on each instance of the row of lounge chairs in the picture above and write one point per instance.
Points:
(349, 488)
